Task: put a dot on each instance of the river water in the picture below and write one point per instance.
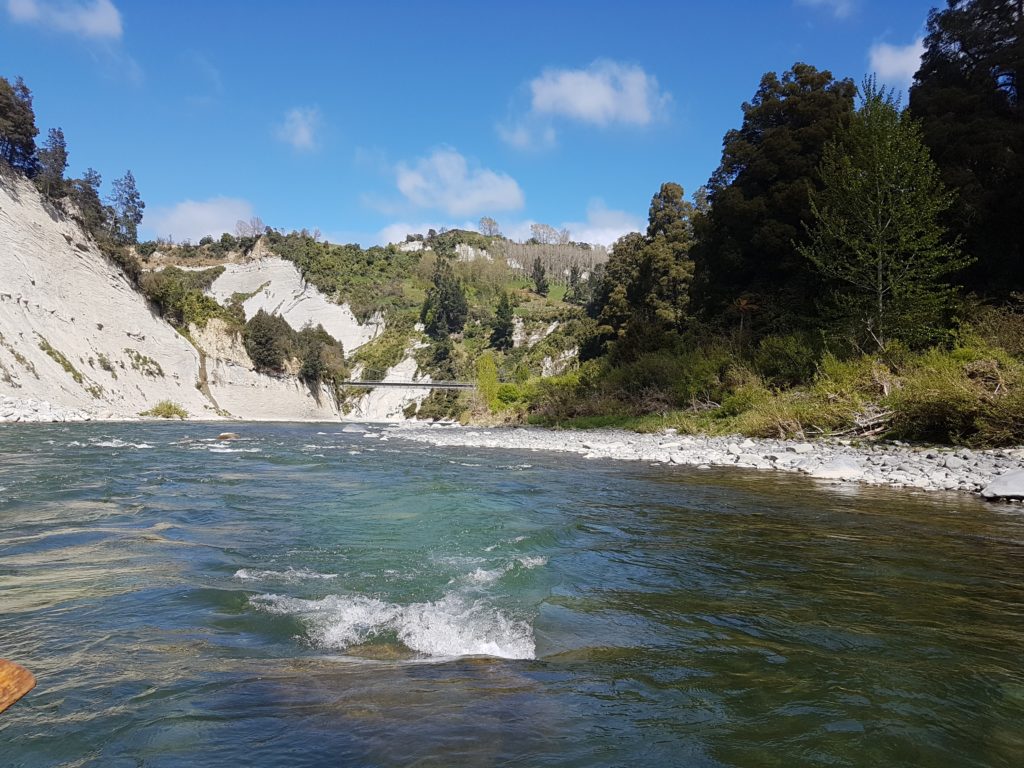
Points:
(312, 596)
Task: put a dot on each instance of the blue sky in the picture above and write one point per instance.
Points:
(367, 121)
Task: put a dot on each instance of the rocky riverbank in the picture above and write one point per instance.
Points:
(27, 409)
(995, 474)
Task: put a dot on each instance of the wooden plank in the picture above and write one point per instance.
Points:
(15, 682)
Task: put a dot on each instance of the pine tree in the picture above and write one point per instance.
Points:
(17, 126)
(877, 234)
(85, 193)
(445, 307)
(53, 161)
(539, 276)
(501, 336)
(128, 207)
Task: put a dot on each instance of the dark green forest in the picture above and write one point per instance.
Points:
(851, 268)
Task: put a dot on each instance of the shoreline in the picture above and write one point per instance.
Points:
(994, 474)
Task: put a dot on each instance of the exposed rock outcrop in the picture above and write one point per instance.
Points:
(74, 332)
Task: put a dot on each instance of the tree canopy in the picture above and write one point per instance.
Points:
(759, 196)
(876, 235)
(127, 206)
(967, 96)
(445, 307)
(17, 126)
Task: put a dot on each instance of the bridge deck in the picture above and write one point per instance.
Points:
(411, 384)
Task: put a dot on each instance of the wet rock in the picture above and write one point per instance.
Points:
(229, 436)
(1008, 486)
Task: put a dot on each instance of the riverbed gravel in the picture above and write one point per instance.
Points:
(995, 474)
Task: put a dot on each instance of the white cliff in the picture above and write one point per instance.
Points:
(74, 332)
(277, 287)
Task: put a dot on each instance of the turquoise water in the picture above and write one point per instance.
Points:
(308, 596)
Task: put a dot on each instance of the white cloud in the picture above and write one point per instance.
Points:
(606, 92)
(896, 65)
(300, 128)
(445, 181)
(527, 137)
(603, 225)
(193, 219)
(840, 8)
(98, 19)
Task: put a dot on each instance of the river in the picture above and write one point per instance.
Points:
(311, 596)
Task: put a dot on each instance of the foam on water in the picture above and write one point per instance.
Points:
(289, 575)
(446, 628)
(116, 443)
(489, 576)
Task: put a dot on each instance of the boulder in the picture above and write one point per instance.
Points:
(841, 468)
(229, 436)
(801, 448)
(1008, 486)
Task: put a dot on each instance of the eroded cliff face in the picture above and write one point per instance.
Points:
(276, 286)
(244, 393)
(77, 340)
(74, 332)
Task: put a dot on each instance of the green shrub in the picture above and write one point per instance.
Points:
(58, 357)
(487, 381)
(268, 341)
(385, 351)
(785, 361)
(956, 395)
(180, 296)
(140, 362)
(1001, 422)
(166, 409)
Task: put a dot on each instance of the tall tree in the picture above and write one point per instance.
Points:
(545, 234)
(539, 275)
(445, 307)
(17, 126)
(53, 161)
(876, 234)
(85, 192)
(759, 196)
(668, 246)
(254, 227)
(644, 289)
(128, 207)
(967, 95)
(489, 227)
(574, 286)
(501, 336)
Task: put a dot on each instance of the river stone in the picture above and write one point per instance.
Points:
(840, 468)
(228, 436)
(801, 448)
(953, 462)
(734, 450)
(1008, 486)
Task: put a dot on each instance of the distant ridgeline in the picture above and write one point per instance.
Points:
(852, 267)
